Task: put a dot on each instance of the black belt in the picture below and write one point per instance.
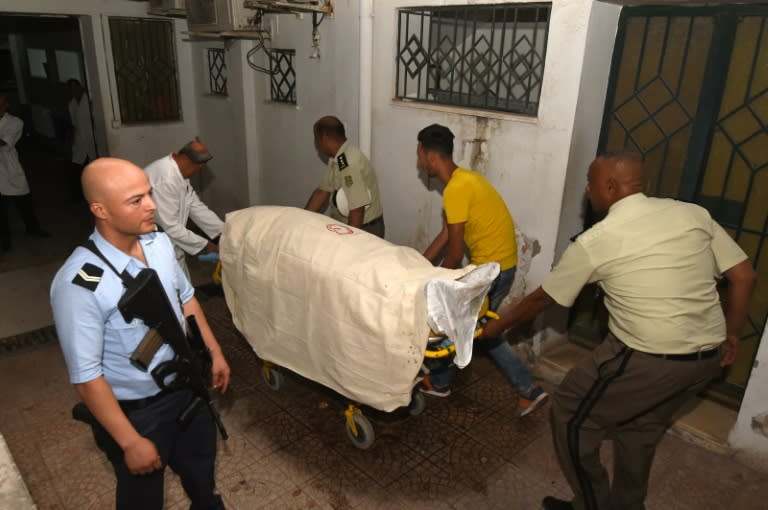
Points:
(378, 220)
(694, 356)
(140, 403)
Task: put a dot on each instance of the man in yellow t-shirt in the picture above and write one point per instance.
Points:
(476, 218)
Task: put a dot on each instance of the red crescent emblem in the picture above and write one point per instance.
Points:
(339, 229)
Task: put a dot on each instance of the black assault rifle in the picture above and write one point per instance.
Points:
(145, 298)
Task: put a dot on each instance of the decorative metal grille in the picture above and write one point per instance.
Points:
(283, 76)
(217, 71)
(480, 56)
(654, 110)
(735, 173)
(689, 91)
(145, 69)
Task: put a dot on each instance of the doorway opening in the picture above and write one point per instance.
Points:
(38, 55)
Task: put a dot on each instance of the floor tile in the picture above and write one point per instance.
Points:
(20, 288)
(295, 500)
(254, 486)
(507, 434)
(275, 431)
(385, 461)
(288, 449)
(430, 486)
(343, 489)
(306, 458)
(469, 460)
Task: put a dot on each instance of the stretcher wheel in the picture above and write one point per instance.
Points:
(273, 378)
(363, 436)
(418, 403)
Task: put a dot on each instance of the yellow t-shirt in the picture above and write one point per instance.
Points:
(489, 231)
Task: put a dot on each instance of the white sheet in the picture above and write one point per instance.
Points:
(332, 303)
(453, 305)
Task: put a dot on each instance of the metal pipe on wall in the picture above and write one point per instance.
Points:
(365, 112)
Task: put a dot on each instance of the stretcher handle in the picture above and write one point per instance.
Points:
(488, 315)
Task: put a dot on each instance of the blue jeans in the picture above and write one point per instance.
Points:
(498, 348)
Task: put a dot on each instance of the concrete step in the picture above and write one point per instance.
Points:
(13, 490)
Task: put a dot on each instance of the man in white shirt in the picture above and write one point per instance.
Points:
(83, 142)
(13, 182)
(177, 201)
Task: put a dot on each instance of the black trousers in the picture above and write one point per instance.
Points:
(375, 227)
(190, 452)
(26, 209)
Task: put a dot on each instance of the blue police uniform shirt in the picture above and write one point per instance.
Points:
(93, 335)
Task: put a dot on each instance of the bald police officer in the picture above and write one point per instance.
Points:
(136, 423)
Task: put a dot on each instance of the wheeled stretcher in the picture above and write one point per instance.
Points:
(359, 429)
(366, 307)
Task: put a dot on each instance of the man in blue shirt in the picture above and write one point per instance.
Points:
(137, 427)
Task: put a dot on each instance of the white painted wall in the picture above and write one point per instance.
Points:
(142, 143)
(518, 147)
(224, 183)
(601, 35)
(95, 83)
(526, 158)
(754, 407)
(288, 168)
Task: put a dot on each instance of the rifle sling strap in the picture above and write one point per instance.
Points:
(124, 276)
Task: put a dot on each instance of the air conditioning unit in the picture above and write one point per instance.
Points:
(220, 16)
(291, 6)
(175, 8)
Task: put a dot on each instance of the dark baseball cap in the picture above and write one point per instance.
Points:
(196, 156)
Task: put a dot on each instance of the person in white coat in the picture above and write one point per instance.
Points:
(177, 201)
(13, 181)
(83, 142)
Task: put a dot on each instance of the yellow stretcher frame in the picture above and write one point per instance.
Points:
(434, 353)
(359, 429)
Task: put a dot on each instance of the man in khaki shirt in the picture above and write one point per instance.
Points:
(349, 177)
(658, 261)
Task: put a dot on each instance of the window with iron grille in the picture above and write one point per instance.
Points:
(217, 71)
(283, 76)
(488, 57)
(145, 69)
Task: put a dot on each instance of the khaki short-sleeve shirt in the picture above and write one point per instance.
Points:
(657, 261)
(350, 169)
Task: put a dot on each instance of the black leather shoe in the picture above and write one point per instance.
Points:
(551, 503)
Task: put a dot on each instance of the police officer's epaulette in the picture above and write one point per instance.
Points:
(89, 276)
(574, 237)
(342, 161)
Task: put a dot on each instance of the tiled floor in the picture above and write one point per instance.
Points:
(288, 449)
